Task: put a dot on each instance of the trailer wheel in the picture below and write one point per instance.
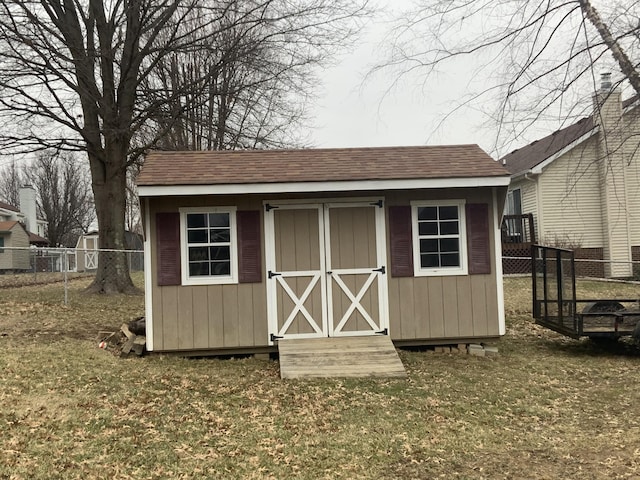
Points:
(603, 306)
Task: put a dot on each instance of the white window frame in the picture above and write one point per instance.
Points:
(463, 269)
(184, 248)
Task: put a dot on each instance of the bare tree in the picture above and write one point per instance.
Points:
(80, 76)
(11, 179)
(538, 56)
(63, 194)
(64, 197)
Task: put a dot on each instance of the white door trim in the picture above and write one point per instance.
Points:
(328, 326)
(279, 279)
(378, 272)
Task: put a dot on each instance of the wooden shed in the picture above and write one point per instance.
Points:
(243, 248)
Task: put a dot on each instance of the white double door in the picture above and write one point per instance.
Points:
(326, 269)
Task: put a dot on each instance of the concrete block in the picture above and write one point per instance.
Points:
(491, 351)
(462, 347)
(476, 350)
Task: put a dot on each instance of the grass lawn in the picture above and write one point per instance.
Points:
(548, 407)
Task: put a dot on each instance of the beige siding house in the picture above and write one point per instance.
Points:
(244, 248)
(14, 247)
(582, 184)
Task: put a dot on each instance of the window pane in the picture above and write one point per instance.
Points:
(428, 228)
(427, 213)
(429, 261)
(449, 228)
(220, 268)
(197, 236)
(219, 253)
(448, 213)
(220, 235)
(428, 245)
(450, 260)
(198, 269)
(449, 245)
(196, 220)
(197, 254)
(218, 219)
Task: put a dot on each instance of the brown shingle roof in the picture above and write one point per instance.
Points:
(7, 226)
(536, 152)
(317, 165)
(37, 240)
(6, 206)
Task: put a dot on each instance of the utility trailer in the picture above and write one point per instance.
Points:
(556, 306)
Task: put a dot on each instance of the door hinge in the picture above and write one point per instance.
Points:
(275, 337)
(377, 204)
(382, 270)
(273, 274)
(268, 206)
(383, 332)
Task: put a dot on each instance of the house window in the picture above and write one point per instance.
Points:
(208, 239)
(1, 244)
(439, 238)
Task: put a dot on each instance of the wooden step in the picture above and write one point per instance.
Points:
(370, 356)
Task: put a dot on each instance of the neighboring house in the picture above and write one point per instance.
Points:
(581, 186)
(87, 251)
(11, 236)
(14, 235)
(246, 247)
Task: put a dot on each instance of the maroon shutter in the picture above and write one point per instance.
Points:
(168, 244)
(249, 257)
(401, 241)
(478, 245)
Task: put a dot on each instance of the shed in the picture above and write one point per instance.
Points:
(87, 248)
(243, 248)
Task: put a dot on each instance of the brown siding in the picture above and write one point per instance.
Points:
(218, 317)
(445, 308)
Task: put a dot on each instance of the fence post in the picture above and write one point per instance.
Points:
(64, 268)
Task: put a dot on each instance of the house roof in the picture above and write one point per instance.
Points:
(37, 239)
(6, 206)
(317, 165)
(8, 226)
(529, 156)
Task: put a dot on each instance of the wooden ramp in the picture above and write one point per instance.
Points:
(372, 356)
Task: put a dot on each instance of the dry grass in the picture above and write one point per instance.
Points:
(547, 407)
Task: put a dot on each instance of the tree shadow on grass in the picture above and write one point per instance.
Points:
(605, 347)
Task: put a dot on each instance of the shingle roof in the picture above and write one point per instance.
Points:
(538, 151)
(7, 226)
(6, 206)
(37, 239)
(317, 165)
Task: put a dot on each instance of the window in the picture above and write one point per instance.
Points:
(208, 239)
(1, 244)
(439, 238)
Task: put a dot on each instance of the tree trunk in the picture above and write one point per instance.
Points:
(109, 187)
(619, 55)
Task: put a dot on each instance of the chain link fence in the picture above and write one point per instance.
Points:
(584, 267)
(20, 267)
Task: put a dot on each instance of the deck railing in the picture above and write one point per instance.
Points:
(518, 229)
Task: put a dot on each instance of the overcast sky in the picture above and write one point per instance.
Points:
(352, 114)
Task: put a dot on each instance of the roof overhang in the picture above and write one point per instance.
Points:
(304, 187)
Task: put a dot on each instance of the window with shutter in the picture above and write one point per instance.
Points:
(168, 248)
(439, 238)
(401, 242)
(209, 253)
(478, 238)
